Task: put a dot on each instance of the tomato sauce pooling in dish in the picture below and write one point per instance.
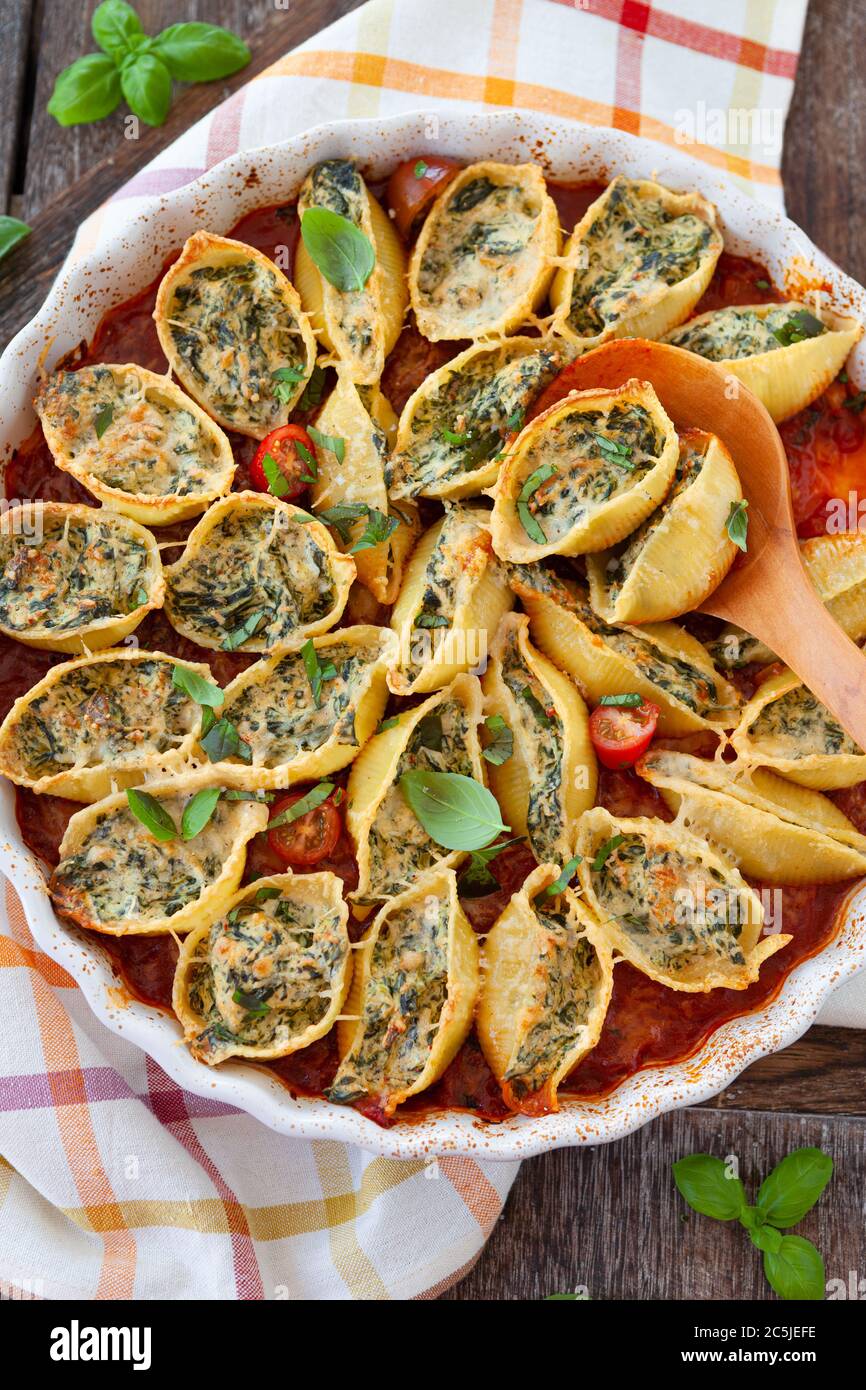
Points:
(647, 1024)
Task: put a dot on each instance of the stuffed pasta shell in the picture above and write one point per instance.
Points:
(484, 259)
(584, 473)
(100, 724)
(453, 595)
(73, 578)
(670, 905)
(551, 775)
(391, 845)
(777, 832)
(785, 727)
(233, 331)
(304, 714)
(454, 429)
(682, 552)
(412, 997)
(640, 259)
(359, 325)
(270, 975)
(349, 488)
(660, 662)
(124, 875)
(135, 441)
(546, 982)
(256, 574)
(786, 354)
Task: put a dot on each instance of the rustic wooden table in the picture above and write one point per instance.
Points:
(608, 1218)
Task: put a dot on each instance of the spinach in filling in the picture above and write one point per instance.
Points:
(80, 572)
(797, 725)
(539, 734)
(738, 332)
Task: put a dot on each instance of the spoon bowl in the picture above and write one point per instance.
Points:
(768, 591)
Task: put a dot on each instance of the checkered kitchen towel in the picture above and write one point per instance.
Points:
(114, 1183)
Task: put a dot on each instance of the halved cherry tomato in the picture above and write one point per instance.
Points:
(281, 445)
(413, 187)
(620, 734)
(308, 839)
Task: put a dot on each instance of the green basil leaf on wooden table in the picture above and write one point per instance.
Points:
(115, 25)
(704, 1183)
(86, 91)
(197, 52)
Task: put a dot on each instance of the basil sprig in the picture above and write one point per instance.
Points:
(737, 524)
(529, 522)
(339, 249)
(139, 67)
(12, 230)
(794, 1268)
(456, 811)
(155, 818)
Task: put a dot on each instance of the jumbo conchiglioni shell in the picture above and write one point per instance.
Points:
(413, 994)
(592, 305)
(682, 552)
(228, 318)
(552, 774)
(590, 499)
(484, 292)
(785, 728)
(546, 982)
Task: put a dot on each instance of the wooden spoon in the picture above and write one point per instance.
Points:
(768, 591)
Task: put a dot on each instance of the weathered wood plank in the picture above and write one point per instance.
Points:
(15, 18)
(611, 1220)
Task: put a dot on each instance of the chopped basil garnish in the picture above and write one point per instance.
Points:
(306, 457)
(388, 724)
(615, 452)
(317, 673)
(379, 528)
(333, 442)
(501, 746)
(239, 635)
(222, 741)
(737, 524)
(237, 795)
(477, 881)
(204, 692)
(431, 620)
(453, 437)
(153, 816)
(606, 851)
(762, 284)
(198, 811)
(629, 701)
(314, 389)
(420, 169)
(254, 1002)
(560, 884)
(429, 733)
(799, 326)
(303, 805)
(286, 381)
(530, 524)
(103, 420)
(278, 484)
(537, 708)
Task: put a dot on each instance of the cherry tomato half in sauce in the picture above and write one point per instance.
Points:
(621, 734)
(413, 188)
(309, 839)
(282, 445)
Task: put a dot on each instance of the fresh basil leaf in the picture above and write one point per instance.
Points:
(477, 881)
(208, 719)
(703, 1181)
(255, 1002)
(146, 85)
(501, 746)
(530, 524)
(431, 620)
(198, 811)
(537, 708)
(152, 814)
(339, 249)
(306, 457)
(456, 811)
(85, 91)
(766, 1238)
(796, 1270)
(314, 389)
(265, 895)
(799, 326)
(560, 884)
(515, 420)
(615, 451)
(629, 701)
(12, 230)
(286, 382)
(454, 437)
(794, 1186)
(429, 732)
(333, 442)
(379, 528)
(737, 524)
(239, 635)
(222, 741)
(204, 692)
(235, 794)
(420, 169)
(342, 517)
(277, 484)
(114, 25)
(605, 851)
(303, 805)
(103, 419)
(388, 724)
(317, 674)
(197, 52)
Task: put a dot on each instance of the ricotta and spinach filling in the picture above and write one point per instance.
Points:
(400, 848)
(465, 422)
(461, 555)
(539, 735)
(797, 725)
(737, 332)
(128, 436)
(585, 458)
(674, 909)
(107, 714)
(402, 1005)
(259, 575)
(79, 573)
(269, 974)
(634, 246)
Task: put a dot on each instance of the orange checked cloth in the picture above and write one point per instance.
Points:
(115, 1183)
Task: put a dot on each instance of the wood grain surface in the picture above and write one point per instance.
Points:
(607, 1219)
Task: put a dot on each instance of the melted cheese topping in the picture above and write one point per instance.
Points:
(149, 446)
(735, 332)
(232, 329)
(257, 567)
(337, 186)
(797, 725)
(634, 246)
(78, 573)
(482, 404)
(539, 732)
(400, 847)
(107, 714)
(269, 975)
(403, 1002)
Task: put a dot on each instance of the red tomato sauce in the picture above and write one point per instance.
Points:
(647, 1025)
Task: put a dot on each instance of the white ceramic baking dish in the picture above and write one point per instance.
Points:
(126, 264)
